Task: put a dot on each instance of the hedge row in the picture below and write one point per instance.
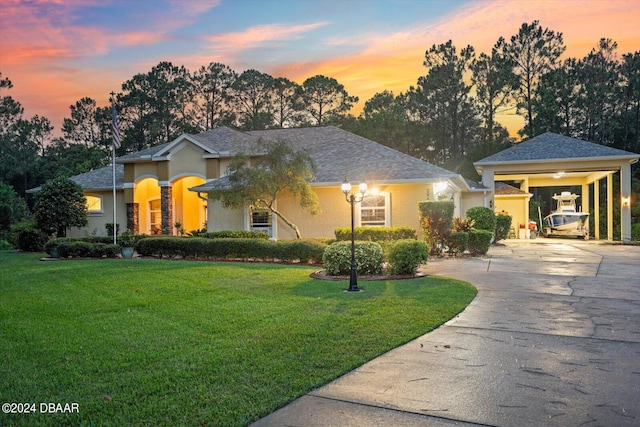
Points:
(304, 251)
(231, 234)
(376, 234)
(79, 249)
(82, 247)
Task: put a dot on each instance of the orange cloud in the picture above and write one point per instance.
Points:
(394, 61)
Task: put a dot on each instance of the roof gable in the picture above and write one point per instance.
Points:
(552, 146)
(218, 142)
(339, 154)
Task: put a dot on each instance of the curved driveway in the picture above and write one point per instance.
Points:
(552, 339)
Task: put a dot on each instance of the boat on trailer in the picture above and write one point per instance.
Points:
(566, 220)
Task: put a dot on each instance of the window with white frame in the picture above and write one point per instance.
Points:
(375, 211)
(261, 220)
(94, 205)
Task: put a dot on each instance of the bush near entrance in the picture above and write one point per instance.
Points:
(337, 258)
(405, 256)
(483, 218)
(480, 241)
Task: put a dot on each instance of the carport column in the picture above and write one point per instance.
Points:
(525, 187)
(625, 200)
(596, 207)
(488, 181)
(585, 198)
(610, 207)
(165, 207)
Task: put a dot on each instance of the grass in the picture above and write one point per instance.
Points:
(151, 342)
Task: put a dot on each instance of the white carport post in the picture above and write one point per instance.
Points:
(488, 180)
(585, 197)
(610, 207)
(524, 186)
(596, 207)
(625, 202)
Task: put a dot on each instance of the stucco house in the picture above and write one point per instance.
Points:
(159, 186)
(162, 185)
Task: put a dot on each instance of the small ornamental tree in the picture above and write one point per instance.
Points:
(60, 205)
(436, 219)
(281, 169)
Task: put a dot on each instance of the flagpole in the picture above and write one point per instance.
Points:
(115, 226)
(115, 135)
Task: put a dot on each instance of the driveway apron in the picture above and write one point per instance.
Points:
(552, 339)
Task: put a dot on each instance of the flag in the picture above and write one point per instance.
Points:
(115, 127)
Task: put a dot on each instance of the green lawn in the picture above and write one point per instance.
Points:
(152, 342)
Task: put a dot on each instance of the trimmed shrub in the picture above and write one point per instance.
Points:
(376, 234)
(503, 224)
(29, 237)
(234, 234)
(484, 218)
(458, 242)
(436, 219)
(480, 241)
(405, 256)
(337, 258)
(80, 249)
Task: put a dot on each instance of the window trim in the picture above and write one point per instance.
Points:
(271, 229)
(387, 211)
(95, 212)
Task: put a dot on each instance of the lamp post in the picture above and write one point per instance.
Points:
(353, 199)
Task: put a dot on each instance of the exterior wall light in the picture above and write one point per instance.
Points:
(626, 201)
(352, 199)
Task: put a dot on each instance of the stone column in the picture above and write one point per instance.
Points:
(165, 206)
(133, 217)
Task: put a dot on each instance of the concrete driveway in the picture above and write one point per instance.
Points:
(552, 339)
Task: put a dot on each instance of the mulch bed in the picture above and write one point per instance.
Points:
(322, 275)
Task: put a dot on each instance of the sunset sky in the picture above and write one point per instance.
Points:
(58, 51)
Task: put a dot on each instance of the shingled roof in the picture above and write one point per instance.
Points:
(96, 180)
(337, 154)
(218, 142)
(552, 146)
(504, 189)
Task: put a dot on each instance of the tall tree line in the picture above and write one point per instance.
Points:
(449, 117)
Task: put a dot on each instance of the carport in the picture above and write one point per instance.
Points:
(552, 160)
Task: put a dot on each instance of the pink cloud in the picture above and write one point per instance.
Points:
(259, 35)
